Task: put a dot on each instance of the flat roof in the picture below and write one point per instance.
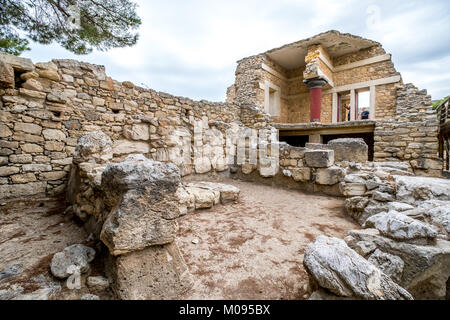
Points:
(292, 56)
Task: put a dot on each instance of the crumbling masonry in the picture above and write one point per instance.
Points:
(113, 147)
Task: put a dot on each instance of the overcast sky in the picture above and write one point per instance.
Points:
(190, 48)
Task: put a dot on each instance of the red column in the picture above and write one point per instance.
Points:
(315, 97)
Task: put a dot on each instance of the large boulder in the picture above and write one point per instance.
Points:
(142, 196)
(426, 267)
(347, 149)
(77, 255)
(413, 189)
(332, 265)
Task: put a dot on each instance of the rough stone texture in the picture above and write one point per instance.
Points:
(390, 265)
(18, 63)
(155, 273)
(349, 150)
(228, 193)
(97, 283)
(76, 255)
(330, 176)
(319, 158)
(426, 268)
(95, 146)
(398, 226)
(6, 75)
(412, 189)
(412, 134)
(204, 198)
(141, 194)
(337, 268)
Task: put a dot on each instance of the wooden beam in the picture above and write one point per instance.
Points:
(365, 84)
(362, 63)
(326, 131)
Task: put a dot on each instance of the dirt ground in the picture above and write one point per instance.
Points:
(254, 249)
(249, 250)
(31, 232)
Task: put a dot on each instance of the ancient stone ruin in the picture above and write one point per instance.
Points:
(130, 165)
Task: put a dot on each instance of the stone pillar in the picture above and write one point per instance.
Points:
(315, 97)
(140, 230)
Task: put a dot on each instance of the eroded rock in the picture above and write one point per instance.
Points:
(77, 255)
(332, 265)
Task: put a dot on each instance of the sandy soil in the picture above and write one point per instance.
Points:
(254, 249)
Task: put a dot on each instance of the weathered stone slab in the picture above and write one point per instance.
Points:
(6, 75)
(155, 273)
(426, 267)
(18, 63)
(121, 147)
(398, 226)
(330, 176)
(346, 149)
(412, 189)
(95, 146)
(21, 190)
(142, 196)
(319, 158)
(334, 266)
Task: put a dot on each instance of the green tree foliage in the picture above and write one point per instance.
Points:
(77, 25)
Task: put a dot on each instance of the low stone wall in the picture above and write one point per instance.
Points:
(46, 107)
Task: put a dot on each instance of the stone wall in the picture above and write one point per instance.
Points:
(45, 108)
(412, 136)
(294, 103)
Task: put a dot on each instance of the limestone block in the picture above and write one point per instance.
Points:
(330, 176)
(7, 171)
(391, 265)
(301, 174)
(6, 75)
(54, 134)
(352, 189)
(95, 146)
(142, 196)
(121, 147)
(33, 84)
(18, 63)
(228, 193)
(20, 158)
(5, 131)
(355, 150)
(204, 197)
(202, 165)
(28, 128)
(412, 189)
(332, 265)
(49, 74)
(426, 269)
(398, 226)
(319, 158)
(21, 190)
(137, 132)
(155, 273)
